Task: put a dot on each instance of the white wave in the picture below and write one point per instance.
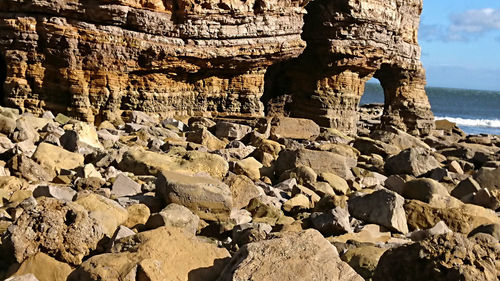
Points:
(489, 123)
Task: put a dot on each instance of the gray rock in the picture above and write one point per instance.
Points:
(382, 207)
(413, 161)
(59, 192)
(125, 186)
(439, 229)
(488, 178)
(231, 131)
(5, 144)
(333, 222)
(175, 123)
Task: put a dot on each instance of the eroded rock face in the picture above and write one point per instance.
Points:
(210, 57)
(349, 42)
(174, 56)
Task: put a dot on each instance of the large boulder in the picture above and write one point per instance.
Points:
(80, 136)
(57, 158)
(175, 215)
(242, 189)
(294, 128)
(382, 207)
(304, 255)
(463, 218)
(207, 197)
(488, 178)
(413, 161)
(424, 189)
(447, 257)
(166, 253)
(141, 162)
(319, 161)
(108, 213)
(60, 229)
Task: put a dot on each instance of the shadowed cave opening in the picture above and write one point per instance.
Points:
(3, 76)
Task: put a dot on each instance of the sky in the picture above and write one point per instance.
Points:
(460, 42)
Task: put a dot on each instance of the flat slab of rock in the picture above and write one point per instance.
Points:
(125, 186)
(207, 197)
(294, 128)
(166, 253)
(319, 161)
(142, 162)
(295, 256)
(383, 207)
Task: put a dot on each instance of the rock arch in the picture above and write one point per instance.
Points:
(349, 42)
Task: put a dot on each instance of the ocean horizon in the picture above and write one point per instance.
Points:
(474, 111)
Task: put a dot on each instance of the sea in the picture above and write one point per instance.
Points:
(474, 111)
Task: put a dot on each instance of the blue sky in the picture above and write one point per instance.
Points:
(460, 42)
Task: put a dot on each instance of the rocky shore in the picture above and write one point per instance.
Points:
(144, 198)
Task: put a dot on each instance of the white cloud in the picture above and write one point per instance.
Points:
(476, 21)
(464, 26)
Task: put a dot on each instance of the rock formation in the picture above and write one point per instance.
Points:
(349, 42)
(209, 57)
(187, 57)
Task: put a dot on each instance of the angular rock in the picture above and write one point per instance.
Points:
(364, 259)
(175, 215)
(412, 161)
(231, 131)
(108, 213)
(383, 207)
(166, 253)
(333, 222)
(425, 190)
(249, 167)
(44, 268)
(81, 134)
(439, 229)
(204, 137)
(208, 198)
(63, 193)
(319, 161)
(56, 158)
(125, 186)
(295, 256)
(445, 257)
(338, 184)
(294, 128)
(488, 178)
(24, 167)
(242, 189)
(138, 215)
(465, 188)
(60, 229)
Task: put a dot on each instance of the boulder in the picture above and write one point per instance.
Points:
(488, 178)
(56, 158)
(338, 184)
(369, 146)
(425, 190)
(125, 186)
(175, 215)
(63, 193)
(22, 166)
(204, 137)
(319, 161)
(462, 219)
(333, 222)
(141, 162)
(446, 257)
(7, 125)
(465, 188)
(44, 268)
(383, 207)
(242, 189)
(439, 229)
(207, 197)
(63, 230)
(299, 202)
(82, 134)
(249, 167)
(138, 215)
(108, 213)
(304, 255)
(412, 161)
(231, 131)
(165, 253)
(363, 259)
(294, 128)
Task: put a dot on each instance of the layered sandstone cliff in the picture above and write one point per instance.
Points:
(173, 56)
(93, 59)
